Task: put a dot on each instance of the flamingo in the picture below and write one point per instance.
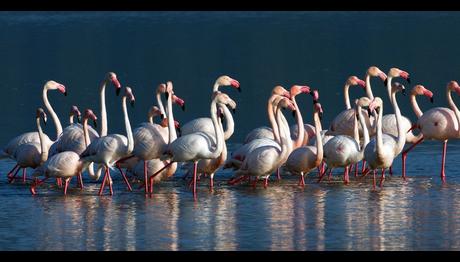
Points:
(199, 145)
(106, 150)
(304, 159)
(439, 123)
(343, 150)
(33, 154)
(384, 148)
(65, 164)
(150, 140)
(262, 161)
(33, 137)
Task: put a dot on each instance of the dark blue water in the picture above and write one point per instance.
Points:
(261, 50)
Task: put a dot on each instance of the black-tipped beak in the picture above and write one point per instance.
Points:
(183, 107)
(44, 122)
(95, 123)
(162, 116)
(166, 95)
(239, 90)
(79, 119)
(431, 100)
(179, 132)
(403, 91)
(65, 93)
(320, 114)
(385, 82)
(357, 116)
(117, 91)
(377, 110)
(132, 103)
(293, 113)
(370, 112)
(408, 80)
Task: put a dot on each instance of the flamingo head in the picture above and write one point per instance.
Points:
(375, 105)
(398, 87)
(129, 94)
(355, 81)
(74, 111)
(161, 88)
(376, 72)
(284, 102)
(224, 99)
(112, 77)
(297, 89)
(40, 113)
(155, 111)
(89, 114)
(179, 101)
(53, 85)
(363, 102)
(396, 72)
(318, 109)
(279, 90)
(421, 90)
(228, 81)
(453, 85)
(315, 95)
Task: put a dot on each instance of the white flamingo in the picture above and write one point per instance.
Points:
(151, 140)
(384, 148)
(196, 146)
(33, 137)
(343, 150)
(439, 123)
(106, 150)
(304, 159)
(64, 165)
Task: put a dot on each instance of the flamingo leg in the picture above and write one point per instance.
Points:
(145, 177)
(109, 180)
(254, 183)
(301, 179)
(66, 184)
(266, 182)
(404, 156)
(35, 184)
(390, 171)
(278, 175)
(363, 166)
(444, 149)
(322, 175)
(80, 180)
(158, 172)
(10, 179)
(195, 167)
(329, 176)
(151, 186)
(346, 178)
(103, 182)
(382, 178)
(236, 180)
(356, 170)
(124, 177)
(24, 172)
(59, 182)
(373, 180)
(12, 170)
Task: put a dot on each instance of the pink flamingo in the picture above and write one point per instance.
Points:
(439, 123)
(33, 137)
(64, 165)
(343, 150)
(109, 149)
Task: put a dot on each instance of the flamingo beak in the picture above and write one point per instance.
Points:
(117, 91)
(95, 123)
(383, 77)
(287, 94)
(428, 94)
(403, 91)
(235, 84)
(320, 114)
(305, 89)
(116, 83)
(79, 119)
(162, 116)
(132, 103)
(361, 83)
(293, 113)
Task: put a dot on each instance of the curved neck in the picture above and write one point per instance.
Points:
(87, 142)
(355, 128)
(346, 95)
(50, 109)
(401, 132)
(414, 104)
(368, 87)
(319, 142)
(300, 127)
(284, 139)
(43, 147)
(215, 88)
(104, 128)
(287, 131)
(271, 118)
(230, 124)
(129, 133)
(452, 106)
(365, 131)
(172, 135)
(160, 104)
(71, 119)
(378, 135)
(218, 132)
(150, 119)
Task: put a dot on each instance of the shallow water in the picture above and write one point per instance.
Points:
(261, 50)
(419, 214)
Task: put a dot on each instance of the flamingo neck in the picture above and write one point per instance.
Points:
(230, 124)
(378, 135)
(454, 107)
(160, 104)
(172, 135)
(50, 109)
(300, 127)
(287, 132)
(284, 142)
(271, 118)
(368, 87)
(218, 132)
(43, 147)
(355, 128)
(401, 132)
(150, 119)
(71, 119)
(104, 128)
(87, 142)
(365, 132)
(319, 142)
(346, 95)
(129, 132)
(216, 86)
(414, 104)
